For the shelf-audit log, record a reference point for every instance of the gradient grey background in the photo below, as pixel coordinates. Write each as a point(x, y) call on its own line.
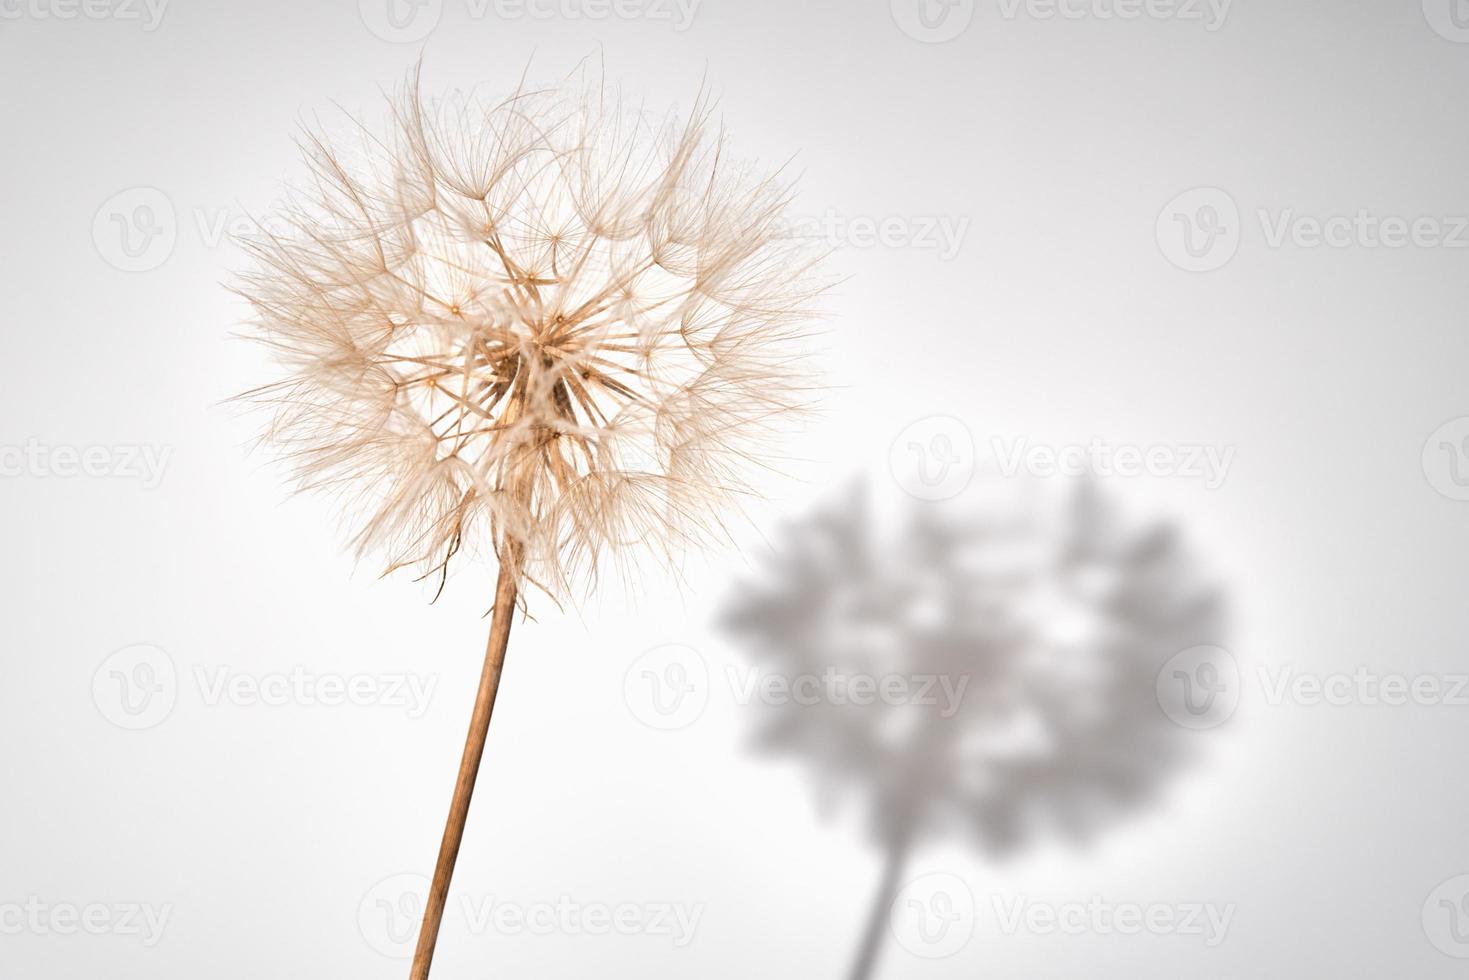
point(1060, 319)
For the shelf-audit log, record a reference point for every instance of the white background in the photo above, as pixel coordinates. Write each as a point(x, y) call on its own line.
point(1064, 316)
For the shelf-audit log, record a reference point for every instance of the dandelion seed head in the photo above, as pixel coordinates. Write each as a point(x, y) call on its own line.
point(545, 328)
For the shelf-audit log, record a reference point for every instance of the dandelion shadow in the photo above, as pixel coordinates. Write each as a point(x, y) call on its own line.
point(1015, 652)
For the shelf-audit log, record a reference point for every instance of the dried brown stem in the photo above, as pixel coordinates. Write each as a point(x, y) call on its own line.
point(474, 750)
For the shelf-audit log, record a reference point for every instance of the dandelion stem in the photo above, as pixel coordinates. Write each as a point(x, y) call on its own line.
point(474, 749)
point(895, 860)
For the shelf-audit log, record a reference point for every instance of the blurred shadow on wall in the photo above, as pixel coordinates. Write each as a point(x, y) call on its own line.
point(1014, 652)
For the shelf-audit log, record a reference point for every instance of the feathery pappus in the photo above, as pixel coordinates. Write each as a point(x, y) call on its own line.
point(545, 327)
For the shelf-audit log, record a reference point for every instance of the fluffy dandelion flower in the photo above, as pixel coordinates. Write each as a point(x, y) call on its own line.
point(544, 327)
